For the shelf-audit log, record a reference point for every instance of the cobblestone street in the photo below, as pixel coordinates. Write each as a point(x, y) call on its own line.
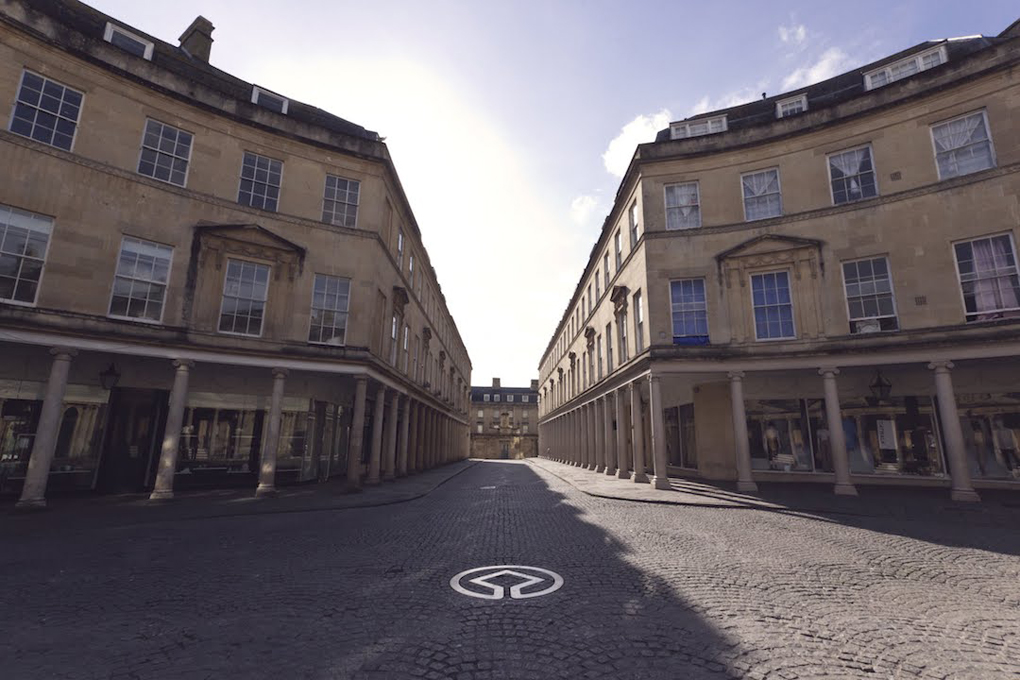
point(650, 591)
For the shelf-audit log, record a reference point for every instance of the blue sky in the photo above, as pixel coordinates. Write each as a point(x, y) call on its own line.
point(510, 124)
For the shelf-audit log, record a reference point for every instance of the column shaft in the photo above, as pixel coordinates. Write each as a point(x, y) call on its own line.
point(357, 446)
point(959, 471)
point(837, 438)
point(741, 445)
point(622, 462)
point(405, 429)
point(33, 493)
point(637, 427)
point(267, 470)
point(390, 459)
point(660, 479)
point(607, 425)
point(375, 461)
point(164, 488)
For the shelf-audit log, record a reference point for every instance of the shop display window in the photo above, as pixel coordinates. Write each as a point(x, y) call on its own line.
point(991, 434)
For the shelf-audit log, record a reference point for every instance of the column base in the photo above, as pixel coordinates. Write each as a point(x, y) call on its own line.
point(845, 490)
point(599, 469)
point(389, 478)
point(265, 491)
point(660, 483)
point(623, 474)
point(161, 495)
point(31, 504)
point(747, 487)
point(965, 496)
point(639, 478)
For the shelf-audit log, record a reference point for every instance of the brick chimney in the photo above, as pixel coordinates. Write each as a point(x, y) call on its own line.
point(534, 385)
point(495, 382)
point(197, 39)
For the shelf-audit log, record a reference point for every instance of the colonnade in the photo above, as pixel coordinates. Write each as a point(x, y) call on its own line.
point(409, 437)
point(592, 434)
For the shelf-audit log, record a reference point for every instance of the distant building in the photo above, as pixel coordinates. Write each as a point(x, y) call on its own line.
point(203, 282)
point(505, 421)
point(820, 285)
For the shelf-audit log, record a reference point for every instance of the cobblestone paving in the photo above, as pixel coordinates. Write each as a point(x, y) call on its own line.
point(651, 591)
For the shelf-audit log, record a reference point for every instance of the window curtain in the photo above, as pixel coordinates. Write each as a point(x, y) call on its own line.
point(682, 207)
point(761, 195)
point(996, 287)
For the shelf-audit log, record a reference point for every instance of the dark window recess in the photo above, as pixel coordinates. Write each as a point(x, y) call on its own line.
point(128, 44)
point(268, 101)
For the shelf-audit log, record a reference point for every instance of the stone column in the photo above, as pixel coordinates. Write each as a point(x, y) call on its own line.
point(267, 471)
point(660, 479)
point(637, 427)
point(419, 442)
point(405, 429)
point(33, 493)
point(622, 462)
point(575, 435)
point(589, 453)
point(164, 488)
point(607, 425)
point(959, 470)
point(599, 433)
point(356, 448)
point(837, 438)
point(743, 449)
point(375, 461)
point(390, 458)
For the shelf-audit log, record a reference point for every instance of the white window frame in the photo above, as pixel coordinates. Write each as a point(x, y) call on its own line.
point(665, 201)
point(112, 28)
point(495, 398)
point(325, 187)
point(793, 304)
point(400, 244)
point(187, 161)
point(223, 298)
point(17, 100)
point(639, 322)
point(874, 171)
point(256, 91)
point(779, 192)
point(673, 303)
point(605, 267)
point(683, 130)
point(509, 398)
point(166, 286)
point(935, 149)
point(524, 399)
point(241, 178)
point(800, 98)
point(892, 294)
point(618, 249)
point(485, 397)
point(346, 312)
point(959, 277)
point(917, 57)
point(50, 223)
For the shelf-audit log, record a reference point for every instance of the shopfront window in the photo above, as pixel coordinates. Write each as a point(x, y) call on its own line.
point(778, 435)
point(991, 434)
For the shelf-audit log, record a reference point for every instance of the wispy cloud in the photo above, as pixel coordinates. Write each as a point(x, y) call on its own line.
point(794, 34)
point(582, 209)
point(638, 131)
point(832, 62)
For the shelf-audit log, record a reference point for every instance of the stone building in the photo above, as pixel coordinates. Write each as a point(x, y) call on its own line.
point(505, 421)
point(820, 286)
point(203, 282)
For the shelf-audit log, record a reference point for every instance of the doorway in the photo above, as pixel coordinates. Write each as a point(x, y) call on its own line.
point(130, 445)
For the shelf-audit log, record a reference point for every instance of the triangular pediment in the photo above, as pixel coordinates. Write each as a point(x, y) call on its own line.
point(249, 234)
point(768, 243)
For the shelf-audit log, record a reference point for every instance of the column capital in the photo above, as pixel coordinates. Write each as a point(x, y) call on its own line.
point(361, 379)
point(280, 373)
point(67, 352)
point(736, 375)
point(828, 370)
point(183, 364)
point(942, 366)
point(653, 378)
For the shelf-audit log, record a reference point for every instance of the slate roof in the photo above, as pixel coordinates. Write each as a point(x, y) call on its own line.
point(84, 26)
point(835, 90)
point(477, 393)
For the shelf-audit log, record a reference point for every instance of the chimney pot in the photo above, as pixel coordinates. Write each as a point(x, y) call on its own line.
point(197, 39)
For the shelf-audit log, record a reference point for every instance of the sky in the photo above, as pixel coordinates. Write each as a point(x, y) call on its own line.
point(511, 124)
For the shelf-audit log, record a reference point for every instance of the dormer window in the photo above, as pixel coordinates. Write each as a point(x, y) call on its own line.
point(128, 41)
point(791, 106)
point(697, 128)
point(268, 100)
point(904, 68)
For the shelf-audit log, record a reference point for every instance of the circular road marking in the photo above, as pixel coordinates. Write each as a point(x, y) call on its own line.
point(527, 577)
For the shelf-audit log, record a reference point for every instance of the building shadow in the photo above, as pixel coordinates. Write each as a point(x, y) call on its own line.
point(924, 514)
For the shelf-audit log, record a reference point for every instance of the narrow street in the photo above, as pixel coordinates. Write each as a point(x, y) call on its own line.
point(649, 591)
